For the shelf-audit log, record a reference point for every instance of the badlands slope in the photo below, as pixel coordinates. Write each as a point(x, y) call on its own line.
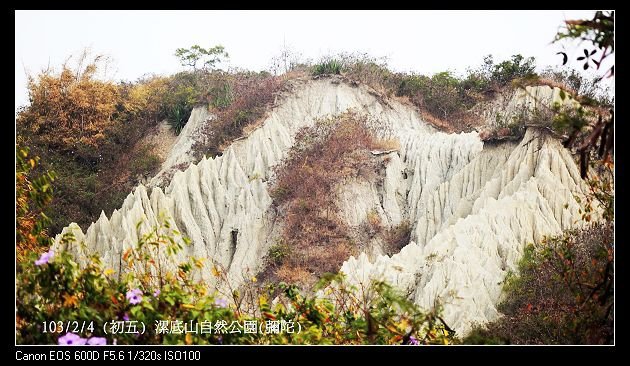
point(472, 206)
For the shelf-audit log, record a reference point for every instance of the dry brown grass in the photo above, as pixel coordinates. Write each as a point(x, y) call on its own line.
point(294, 274)
point(303, 192)
point(387, 144)
point(297, 73)
point(437, 122)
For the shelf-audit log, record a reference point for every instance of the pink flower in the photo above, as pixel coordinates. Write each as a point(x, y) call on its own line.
point(134, 296)
point(157, 293)
point(45, 258)
point(97, 341)
point(71, 339)
point(222, 303)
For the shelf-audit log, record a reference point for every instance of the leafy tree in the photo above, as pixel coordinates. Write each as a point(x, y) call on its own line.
point(195, 54)
point(85, 129)
point(442, 94)
point(508, 70)
point(71, 110)
point(438, 94)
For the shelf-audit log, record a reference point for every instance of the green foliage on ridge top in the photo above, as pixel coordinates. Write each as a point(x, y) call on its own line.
point(209, 56)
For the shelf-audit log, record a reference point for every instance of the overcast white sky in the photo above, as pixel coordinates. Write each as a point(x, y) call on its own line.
point(141, 42)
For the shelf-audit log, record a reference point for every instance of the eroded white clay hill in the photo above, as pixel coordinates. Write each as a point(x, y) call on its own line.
point(472, 207)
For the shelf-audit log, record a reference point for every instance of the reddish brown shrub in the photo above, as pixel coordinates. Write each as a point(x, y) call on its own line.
point(304, 193)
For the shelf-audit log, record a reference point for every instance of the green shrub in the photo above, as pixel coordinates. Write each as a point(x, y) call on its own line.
point(279, 194)
point(567, 121)
point(328, 67)
point(412, 85)
point(279, 251)
point(183, 93)
point(508, 70)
